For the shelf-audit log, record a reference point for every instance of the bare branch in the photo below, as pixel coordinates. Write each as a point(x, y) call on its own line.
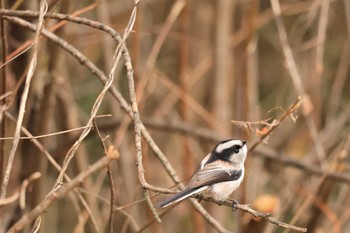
point(257, 214)
point(110, 177)
point(294, 107)
point(61, 193)
point(30, 74)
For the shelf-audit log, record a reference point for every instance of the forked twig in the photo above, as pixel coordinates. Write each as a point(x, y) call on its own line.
point(294, 107)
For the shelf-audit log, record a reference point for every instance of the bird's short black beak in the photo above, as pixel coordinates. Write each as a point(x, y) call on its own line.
point(244, 142)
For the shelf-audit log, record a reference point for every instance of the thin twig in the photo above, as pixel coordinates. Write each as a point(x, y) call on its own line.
point(3, 85)
point(257, 214)
point(71, 153)
point(137, 121)
point(61, 193)
point(246, 208)
point(49, 134)
point(110, 179)
point(9, 199)
point(30, 74)
point(28, 44)
point(25, 183)
point(58, 168)
point(103, 145)
point(294, 107)
point(268, 217)
point(53, 134)
point(111, 184)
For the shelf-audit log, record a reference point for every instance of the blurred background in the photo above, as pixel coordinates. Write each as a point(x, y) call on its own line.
point(204, 71)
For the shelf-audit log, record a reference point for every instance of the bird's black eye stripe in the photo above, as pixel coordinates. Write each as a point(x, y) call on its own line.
point(227, 153)
point(236, 149)
point(223, 155)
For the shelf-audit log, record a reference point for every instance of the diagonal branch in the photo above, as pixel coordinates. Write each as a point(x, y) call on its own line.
point(61, 193)
point(30, 74)
point(256, 214)
point(294, 107)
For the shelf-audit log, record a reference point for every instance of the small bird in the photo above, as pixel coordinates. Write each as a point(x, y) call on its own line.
point(219, 174)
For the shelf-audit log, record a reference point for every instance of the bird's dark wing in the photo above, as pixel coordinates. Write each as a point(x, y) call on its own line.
point(214, 173)
point(180, 196)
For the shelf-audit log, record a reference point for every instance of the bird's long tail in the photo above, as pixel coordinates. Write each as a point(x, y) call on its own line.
point(180, 196)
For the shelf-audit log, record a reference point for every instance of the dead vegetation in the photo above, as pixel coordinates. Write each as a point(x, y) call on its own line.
point(107, 106)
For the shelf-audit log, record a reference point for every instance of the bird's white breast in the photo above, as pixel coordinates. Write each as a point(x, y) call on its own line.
point(221, 191)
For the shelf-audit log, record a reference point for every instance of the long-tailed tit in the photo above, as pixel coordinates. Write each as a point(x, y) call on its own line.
point(218, 175)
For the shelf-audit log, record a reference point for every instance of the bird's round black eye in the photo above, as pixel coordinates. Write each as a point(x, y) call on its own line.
point(236, 150)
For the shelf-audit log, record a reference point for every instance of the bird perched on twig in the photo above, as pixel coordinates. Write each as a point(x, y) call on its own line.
point(218, 175)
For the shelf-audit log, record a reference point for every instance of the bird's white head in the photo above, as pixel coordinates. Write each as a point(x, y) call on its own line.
point(231, 150)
